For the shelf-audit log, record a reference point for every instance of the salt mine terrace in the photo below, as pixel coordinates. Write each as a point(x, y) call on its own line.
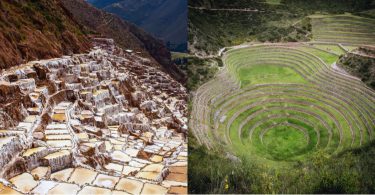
point(105, 122)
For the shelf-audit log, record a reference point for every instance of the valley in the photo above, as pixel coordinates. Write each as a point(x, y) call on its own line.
point(165, 19)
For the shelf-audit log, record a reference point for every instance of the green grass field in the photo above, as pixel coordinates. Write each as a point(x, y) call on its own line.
point(283, 141)
point(264, 73)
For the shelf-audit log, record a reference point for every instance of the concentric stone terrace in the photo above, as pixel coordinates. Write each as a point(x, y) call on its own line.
point(346, 29)
point(283, 102)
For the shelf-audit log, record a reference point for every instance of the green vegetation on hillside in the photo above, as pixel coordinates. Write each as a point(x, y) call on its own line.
point(216, 29)
point(273, 2)
point(285, 22)
point(352, 171)
point(199, 70)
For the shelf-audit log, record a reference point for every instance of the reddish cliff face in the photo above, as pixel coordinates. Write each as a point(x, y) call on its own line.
point(125, 34)
point(32, 30)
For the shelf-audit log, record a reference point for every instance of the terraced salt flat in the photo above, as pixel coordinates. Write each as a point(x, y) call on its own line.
point(346, 29)
point(106, 135)
point(283, 102)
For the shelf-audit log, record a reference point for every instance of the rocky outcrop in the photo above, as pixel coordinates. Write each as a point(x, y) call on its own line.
point(16, 167)
point(9, 92)
point(12, 104)
point(360, 63)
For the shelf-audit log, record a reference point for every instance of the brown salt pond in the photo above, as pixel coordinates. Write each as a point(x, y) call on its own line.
point(130, 186)
point(64, 188)
point(154, 189)
point(152, 176)
point(62, 175)
point(182, 170)
point(156, 158)
point(24, 182)
point(89, 190)
point(9, 191)
point(59, 117)
point(41, 172)
point(82, 176)
point(153, 168)
point(178, 190)
point(177, 177)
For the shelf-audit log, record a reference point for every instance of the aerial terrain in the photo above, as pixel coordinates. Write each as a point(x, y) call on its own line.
point(166, 19)
point(291, 106)
point(89, 104)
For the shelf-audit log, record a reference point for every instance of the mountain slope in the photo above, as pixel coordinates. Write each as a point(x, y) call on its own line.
point(166, 19)
point(213, 25)
point(126, 35)
point(37, 29)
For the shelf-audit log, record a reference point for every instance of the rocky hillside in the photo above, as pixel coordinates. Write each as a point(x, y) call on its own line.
point(166, 19)
point(361, 63)
point(37, 29)
point(31, 30)
point(126, 35)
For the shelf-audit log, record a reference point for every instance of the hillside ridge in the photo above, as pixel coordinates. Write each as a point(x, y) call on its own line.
point(31, 30)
